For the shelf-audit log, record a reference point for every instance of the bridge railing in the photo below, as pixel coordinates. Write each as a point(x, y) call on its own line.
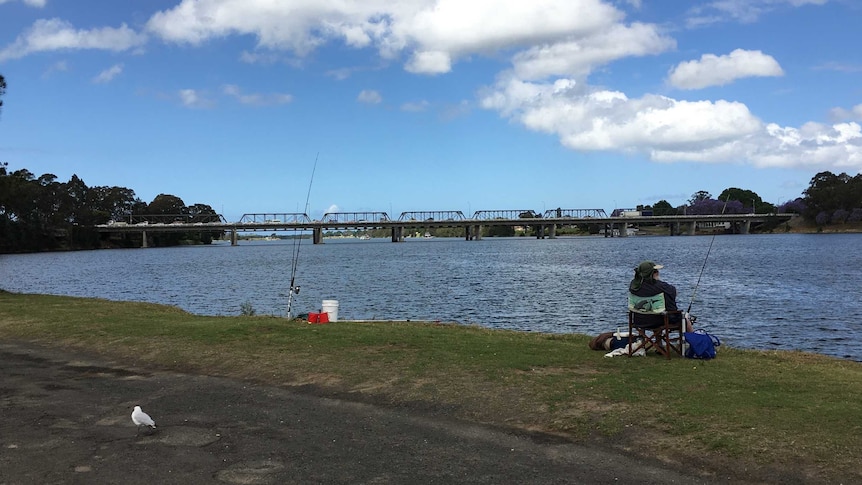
point(351, 217)
point(141, 219)
point(574, 213)
point(513, 214)
point(431, 216)
point(274, 218)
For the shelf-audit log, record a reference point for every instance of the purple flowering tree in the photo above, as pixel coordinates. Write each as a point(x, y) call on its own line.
point(715, 207)
point(840, 216)
point(796, 206)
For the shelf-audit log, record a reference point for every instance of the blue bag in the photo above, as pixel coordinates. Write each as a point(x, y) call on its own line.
point(701, 345)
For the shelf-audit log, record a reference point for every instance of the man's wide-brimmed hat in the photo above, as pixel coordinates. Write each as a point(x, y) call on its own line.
point(646, 269)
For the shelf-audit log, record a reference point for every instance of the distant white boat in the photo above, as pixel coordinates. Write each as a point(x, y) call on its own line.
point(428, 236)
point(365, 237)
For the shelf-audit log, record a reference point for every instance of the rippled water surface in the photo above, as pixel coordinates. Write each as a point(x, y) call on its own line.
point(757, 291)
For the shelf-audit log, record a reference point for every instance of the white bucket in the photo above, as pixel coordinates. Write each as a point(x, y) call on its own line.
point(330, 307)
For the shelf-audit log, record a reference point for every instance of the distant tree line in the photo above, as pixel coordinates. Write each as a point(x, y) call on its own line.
point(829, 199)
point(42, 214)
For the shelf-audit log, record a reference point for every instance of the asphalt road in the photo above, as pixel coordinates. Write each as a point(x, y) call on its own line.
point(65, 418)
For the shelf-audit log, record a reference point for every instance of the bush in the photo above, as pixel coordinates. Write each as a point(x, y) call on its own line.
point(246, 310)
point(840, 216)
point(822, 218)
point(855, 216)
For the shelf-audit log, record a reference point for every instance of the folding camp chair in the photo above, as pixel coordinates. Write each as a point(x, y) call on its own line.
point(658, 332)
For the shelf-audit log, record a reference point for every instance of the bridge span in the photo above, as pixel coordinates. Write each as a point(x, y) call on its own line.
point(543, 225)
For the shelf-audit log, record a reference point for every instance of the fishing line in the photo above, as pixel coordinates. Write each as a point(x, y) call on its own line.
point(694, 292)
point(294, 289)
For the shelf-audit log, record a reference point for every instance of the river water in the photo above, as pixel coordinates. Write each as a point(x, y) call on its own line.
point(787, 291)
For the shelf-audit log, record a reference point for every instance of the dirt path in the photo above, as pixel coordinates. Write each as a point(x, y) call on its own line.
point(65, 419)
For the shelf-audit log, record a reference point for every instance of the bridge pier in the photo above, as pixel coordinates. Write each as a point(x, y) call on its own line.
point(744, 227)
point(692, 228)
point(552, 231)
point(144, 243)
point(317, 235)
point(397, 234)
point(540, 231)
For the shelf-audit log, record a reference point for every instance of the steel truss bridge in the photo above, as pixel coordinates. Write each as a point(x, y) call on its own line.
point(544, 225)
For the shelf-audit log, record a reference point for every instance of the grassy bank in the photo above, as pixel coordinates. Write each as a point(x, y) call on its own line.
point(786, 414)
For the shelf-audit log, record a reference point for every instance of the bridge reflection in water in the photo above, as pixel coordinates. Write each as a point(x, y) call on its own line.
point(543, 225)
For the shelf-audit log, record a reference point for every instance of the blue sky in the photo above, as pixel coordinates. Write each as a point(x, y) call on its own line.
point(432, 105)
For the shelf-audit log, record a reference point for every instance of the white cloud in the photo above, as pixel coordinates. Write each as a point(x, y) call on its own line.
point(415, 107)
point(59, 66)
point(432, 33)
point(369, 96)
point(841, 114)
point(55, 34)
point(712, 70)
point(839, 66)
point(578, 57)
point(298, 26)
point(32, 3)
point(191, 98)
point(430, 62)
point(256, 99)
point(668, 130)
point(457, 27)
point(554, 46)
point(745, 11)
point(108, 74)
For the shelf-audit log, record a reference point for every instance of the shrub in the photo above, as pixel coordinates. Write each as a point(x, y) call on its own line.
point(246, 310)
point(840, 216)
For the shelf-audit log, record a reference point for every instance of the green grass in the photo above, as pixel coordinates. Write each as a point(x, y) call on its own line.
point(773, 410)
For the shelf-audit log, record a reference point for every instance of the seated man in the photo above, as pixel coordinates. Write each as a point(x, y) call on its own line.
point(647, 282)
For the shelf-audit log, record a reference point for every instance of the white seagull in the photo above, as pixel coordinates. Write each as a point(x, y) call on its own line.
point(140, 418)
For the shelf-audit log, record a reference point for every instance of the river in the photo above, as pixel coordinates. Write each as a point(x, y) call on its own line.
point(778, 291)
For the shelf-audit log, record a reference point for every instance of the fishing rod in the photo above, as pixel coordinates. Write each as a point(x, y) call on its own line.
point(694, 292)
point(294, 288)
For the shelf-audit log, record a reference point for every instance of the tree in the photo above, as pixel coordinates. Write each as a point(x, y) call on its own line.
point(167, 204)
point(828, 192)
point(201, 213)
point(840, 216)
point(38, 214)
point(76, 194)
point(113, 203)
point(746, 197)
point(2, 89)
point(663, 208)
point(699, 196)
point(712, 207)
point(795, 206)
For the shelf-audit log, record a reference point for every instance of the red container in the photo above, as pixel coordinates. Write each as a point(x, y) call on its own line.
point(318, 317)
